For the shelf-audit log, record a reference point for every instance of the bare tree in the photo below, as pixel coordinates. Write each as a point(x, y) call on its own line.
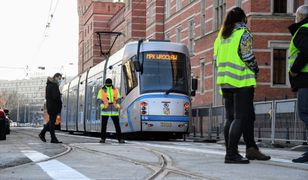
point(12, 101)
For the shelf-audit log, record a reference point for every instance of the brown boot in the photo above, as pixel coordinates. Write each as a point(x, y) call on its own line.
point(253, 153)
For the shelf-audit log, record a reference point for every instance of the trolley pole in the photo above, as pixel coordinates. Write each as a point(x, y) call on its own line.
point(106, 54)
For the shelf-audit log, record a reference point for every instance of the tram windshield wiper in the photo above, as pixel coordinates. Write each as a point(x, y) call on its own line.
point(169, 90)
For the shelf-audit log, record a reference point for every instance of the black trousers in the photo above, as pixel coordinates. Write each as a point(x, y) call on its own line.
point(2, 129)
point(240, 117)
point(51, 127)
point(116, 123)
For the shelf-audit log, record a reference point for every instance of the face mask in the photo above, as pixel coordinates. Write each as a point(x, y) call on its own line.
point(59, 81)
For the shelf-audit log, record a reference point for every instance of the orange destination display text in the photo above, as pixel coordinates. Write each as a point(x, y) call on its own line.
point(172, 57)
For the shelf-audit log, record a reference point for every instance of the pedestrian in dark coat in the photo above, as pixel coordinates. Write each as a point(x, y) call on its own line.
point(54, 106)
point(298, 67)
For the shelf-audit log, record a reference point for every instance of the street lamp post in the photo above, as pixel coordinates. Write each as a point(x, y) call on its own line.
point(25, 113)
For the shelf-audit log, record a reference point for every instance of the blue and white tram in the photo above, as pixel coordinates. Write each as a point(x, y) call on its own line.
point(155, 83)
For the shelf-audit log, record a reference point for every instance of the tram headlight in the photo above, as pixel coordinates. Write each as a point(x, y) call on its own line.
point(186, 108)
point(144, 108)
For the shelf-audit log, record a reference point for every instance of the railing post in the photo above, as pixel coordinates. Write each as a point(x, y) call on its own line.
point(194, 127)
point(210, 123)
point(194, 122)
point(259, 134)
point(217, 133)
point(288, 135)
point(273, 122)
point(295, 119)
point(223, 120)
point(201, 126)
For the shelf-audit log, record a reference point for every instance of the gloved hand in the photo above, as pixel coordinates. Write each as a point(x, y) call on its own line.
point(99, 101)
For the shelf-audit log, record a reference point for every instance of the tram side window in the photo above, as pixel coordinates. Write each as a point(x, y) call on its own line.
point(130, 78)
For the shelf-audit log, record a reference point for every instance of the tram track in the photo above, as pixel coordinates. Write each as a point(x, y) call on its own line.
point(161, 170)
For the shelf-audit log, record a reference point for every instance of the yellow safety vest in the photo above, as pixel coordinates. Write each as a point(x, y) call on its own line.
point(293, 51)
point(110, 98)
point(230, 67)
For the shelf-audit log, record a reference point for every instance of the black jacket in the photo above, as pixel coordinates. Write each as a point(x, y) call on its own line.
point(53, 97)
point(301, 43)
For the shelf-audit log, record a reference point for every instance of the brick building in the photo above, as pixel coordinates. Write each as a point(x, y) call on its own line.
point(195, 23)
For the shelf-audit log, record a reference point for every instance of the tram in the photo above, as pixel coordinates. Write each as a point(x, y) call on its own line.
point(155, 83)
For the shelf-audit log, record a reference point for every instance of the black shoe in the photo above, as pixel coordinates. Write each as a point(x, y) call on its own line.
point(102, 141)
point(55, 141)
point(42, 137)
point(121, 141)
point(236, 159)
point(302, 159)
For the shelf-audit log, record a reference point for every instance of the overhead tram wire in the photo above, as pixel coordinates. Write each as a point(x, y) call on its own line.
point(26, 68)
point(50, 16)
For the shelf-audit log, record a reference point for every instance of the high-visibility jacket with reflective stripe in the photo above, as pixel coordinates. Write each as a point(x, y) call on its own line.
point(294, 51)
point(110, 98)
point(230, 67)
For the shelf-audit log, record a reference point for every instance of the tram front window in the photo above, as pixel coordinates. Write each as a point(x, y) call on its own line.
point(164, 72)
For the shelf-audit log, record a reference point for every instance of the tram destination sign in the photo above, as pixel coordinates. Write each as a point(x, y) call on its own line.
point(161, 56)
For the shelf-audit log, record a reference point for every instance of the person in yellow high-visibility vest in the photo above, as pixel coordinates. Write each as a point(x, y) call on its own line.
point(109, 99)
point(236, 75)
point(298, 67)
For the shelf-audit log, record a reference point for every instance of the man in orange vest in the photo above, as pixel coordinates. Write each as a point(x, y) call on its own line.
point(109, 99)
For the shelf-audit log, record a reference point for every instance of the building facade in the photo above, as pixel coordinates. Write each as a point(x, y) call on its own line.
point(24, 98)
point(196, 24)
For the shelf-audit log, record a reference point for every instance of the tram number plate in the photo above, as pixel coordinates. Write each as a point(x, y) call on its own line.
point(166, 124)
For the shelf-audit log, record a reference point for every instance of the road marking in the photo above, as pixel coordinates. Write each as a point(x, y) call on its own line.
point(54, 168)
point(34, 155)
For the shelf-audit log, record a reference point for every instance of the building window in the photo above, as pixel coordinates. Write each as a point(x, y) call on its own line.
point(279, 66)
point(167, 36)
point(150, 13)
point(168, 5)
point(280, 6)
point(191, 37)
point(178, 34)
point(202, 74)
point(178, 5)
point(202, 24)
point(239, 3)
point(219, 12)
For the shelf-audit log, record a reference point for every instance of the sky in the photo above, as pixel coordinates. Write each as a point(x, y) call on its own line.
point(26, 44)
